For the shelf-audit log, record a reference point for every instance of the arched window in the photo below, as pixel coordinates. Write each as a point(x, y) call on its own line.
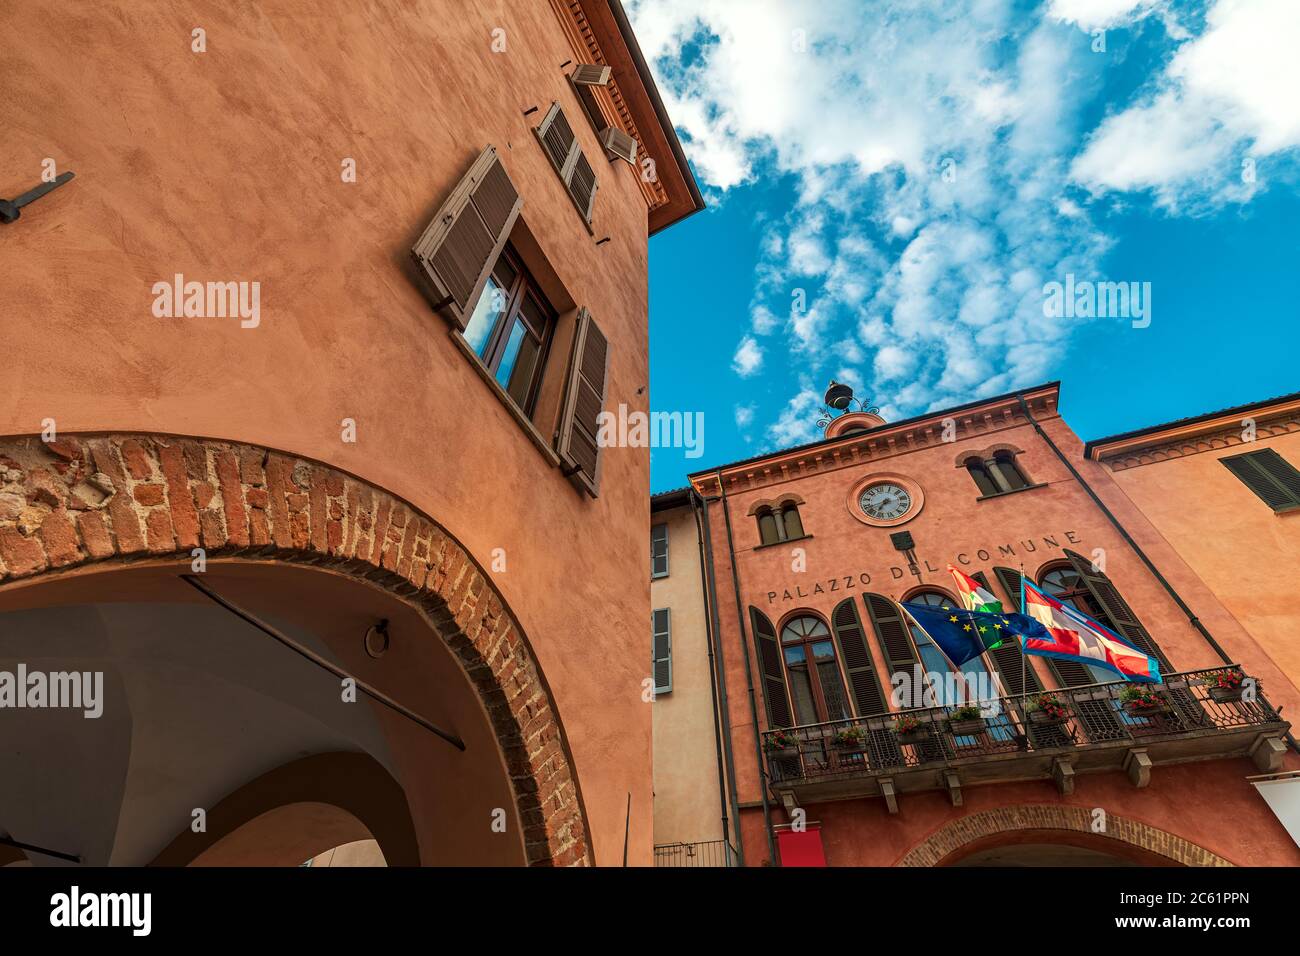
point(1064, 583)
point(1004, 466)
point(996, 474)
point(1080, 584)
point(816, 687)
point(781, 524)
point(936, 663)
point(980, 473)
point(790, 519)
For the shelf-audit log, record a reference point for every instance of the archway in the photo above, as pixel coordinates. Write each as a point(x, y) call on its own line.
point(1054, 826)
point(76, 512)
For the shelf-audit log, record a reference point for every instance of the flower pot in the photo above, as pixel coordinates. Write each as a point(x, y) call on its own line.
point(966, 728)
point(1044, 719)
point(917, 736)
point(1225, 694)
point(1140, 710)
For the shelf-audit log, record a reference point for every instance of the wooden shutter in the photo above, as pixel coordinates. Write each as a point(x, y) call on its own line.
point(662, 650)
point(1017, 674)
point(856, 654)
point(1121, 615)
point(584, 396)
point(773, 672)
point(561, 147)
point(891, 633)
point(558, 141)
point(457, 250)
point(589, 74)
point(659, 551)
point(619, 144)
point(1270, 476)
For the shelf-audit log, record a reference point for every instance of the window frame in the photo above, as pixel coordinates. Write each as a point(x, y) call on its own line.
point(523, 287)
point(667, 633)
point(806, 642)
point(1252, 458)
point(654, 574)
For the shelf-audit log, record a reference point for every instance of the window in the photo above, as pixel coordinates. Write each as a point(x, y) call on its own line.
point(561, 147)
point(996, 474)
point(1089, 591)
point(659, 551)
point(779, 524)
point(936, 664)
point(661, 650)
point(1273, 479)
point(510, 329)
point(477, 281)
point(816, 687)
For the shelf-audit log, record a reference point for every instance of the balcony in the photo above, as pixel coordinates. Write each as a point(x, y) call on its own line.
point(709, 853)
point(1091, 731)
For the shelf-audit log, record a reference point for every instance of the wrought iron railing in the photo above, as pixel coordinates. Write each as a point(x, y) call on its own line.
point(1088, 715)
point(707, 853)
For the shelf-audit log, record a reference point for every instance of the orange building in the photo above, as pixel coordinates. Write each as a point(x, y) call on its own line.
point(297, 440)
point(833, 760)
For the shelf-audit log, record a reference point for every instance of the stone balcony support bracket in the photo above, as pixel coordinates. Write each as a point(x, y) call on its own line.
point(887, 791)
point(953, 784)
point(1137, 764)
point(1267, 752)
point(1063, 774)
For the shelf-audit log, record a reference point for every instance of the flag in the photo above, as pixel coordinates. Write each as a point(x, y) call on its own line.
point(1050, 628)
point(974, 596)
point(962, 635)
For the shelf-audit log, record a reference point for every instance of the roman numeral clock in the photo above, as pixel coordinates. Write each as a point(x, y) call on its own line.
point(885, 500)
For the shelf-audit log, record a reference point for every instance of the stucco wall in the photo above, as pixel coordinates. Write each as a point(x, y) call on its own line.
point(687, 804)
point(225, 165)
point(1235, 542)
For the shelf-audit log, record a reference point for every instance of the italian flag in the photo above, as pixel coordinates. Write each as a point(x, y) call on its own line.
point(974, 597)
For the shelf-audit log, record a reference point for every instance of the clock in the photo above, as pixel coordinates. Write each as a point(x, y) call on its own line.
point(885, 501)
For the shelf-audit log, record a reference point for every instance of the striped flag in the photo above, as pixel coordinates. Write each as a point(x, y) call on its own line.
point(974, 596)
point(1058, 630)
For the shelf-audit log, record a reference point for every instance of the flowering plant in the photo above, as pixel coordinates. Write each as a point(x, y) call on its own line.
point(1228, 680)
point(780, 739)
point(850, 737)
point(908, 724)
point(1049, 705)
point(1143, 698)
point(967, 712)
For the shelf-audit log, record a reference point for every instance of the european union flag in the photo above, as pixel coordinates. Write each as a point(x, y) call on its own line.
point(963, 635)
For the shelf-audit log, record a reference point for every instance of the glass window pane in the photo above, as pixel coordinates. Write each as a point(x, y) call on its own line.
point(767, 528)
point(800, 686)
point(504, 272)
point(484, 318)
point(521, 380)
point(510, 353)
point(532, 314)
point(793, 526)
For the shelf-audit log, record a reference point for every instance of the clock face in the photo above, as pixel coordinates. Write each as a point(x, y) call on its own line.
point(885, 501)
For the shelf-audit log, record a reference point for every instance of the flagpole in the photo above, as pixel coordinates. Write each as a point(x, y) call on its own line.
point(1023, 656)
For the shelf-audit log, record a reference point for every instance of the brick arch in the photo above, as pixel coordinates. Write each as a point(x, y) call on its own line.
point(84, 500)
point(1127, 833)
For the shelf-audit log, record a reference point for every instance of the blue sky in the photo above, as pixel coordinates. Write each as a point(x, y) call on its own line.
point(892, 184)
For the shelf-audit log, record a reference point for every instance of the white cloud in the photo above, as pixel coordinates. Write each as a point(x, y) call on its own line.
point(797, 422)
point(937, 152)
point(744, 416)
point(748, 358)
point(1101, 14)
point(1225, 97)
